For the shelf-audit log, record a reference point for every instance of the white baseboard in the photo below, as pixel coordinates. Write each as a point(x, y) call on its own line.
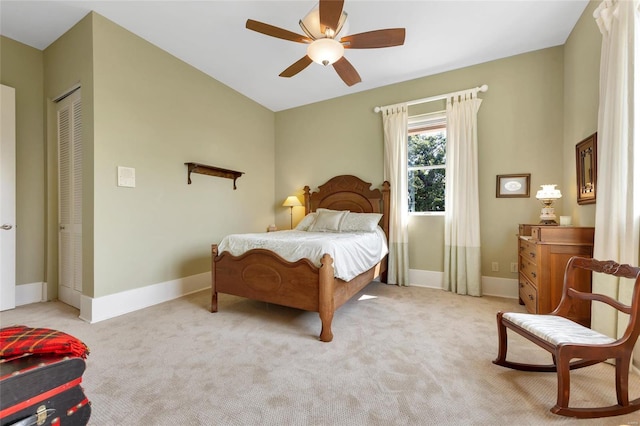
point(30, 293)
point(422, 278)
point(95, 309)
point(501, 287)
point(491, 286)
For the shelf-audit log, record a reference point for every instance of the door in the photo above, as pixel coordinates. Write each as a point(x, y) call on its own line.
point(7, 198)
point(69, 118)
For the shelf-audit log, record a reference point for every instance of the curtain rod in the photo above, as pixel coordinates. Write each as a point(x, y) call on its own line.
point(482, 88)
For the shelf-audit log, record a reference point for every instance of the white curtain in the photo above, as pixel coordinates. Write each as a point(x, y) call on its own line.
point(462, 211)
point(617, 222)
point(394, 120)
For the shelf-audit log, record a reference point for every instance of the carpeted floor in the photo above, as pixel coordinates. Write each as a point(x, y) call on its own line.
point(400, 356)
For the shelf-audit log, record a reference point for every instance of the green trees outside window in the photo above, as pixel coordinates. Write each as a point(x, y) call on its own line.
point(426, 170)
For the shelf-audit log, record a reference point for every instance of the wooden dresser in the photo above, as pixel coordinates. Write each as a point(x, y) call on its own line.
point(544, 251)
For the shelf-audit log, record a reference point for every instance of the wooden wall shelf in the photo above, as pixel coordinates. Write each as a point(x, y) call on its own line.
point(212, 171)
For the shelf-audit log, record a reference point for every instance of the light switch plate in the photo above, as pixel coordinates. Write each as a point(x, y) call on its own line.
point(127, 177)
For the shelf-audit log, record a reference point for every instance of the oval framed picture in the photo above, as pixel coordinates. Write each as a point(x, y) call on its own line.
point(513, 186)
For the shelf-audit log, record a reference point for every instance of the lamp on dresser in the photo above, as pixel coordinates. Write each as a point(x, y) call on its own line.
point(547, 195)
point(291, 202)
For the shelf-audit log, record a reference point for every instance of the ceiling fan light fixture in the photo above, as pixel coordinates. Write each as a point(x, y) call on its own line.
point(325, 51)
point(310, 24)
point(325, 26)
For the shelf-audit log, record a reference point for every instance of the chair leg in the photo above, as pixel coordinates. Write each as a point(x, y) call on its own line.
point(562, 362)
point(502, 342)
point(622, 380)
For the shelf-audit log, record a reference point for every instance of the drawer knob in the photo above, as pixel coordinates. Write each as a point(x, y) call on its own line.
point(532, 255)
point(533, 274)
point(530, 297)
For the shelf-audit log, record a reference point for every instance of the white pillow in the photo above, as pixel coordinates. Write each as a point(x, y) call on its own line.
point(306, 222)
point(361, 222)
point(328, 221)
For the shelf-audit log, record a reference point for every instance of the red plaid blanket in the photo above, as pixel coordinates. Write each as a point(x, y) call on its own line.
point(18, 340)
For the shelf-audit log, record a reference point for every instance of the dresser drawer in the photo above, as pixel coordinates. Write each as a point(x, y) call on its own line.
point(528, 295)
point(563, 234)
point(529, 269)
point(528, 250)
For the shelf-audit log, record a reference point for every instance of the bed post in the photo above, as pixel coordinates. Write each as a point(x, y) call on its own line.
point(326, 305)
point(386, 203)
point(214, 293)
point(307, 200)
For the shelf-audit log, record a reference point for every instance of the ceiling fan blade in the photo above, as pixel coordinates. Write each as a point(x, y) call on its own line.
point(296, 67)
point(373, 39)
point(330, 12)
point(272, 31)
point(346, 71)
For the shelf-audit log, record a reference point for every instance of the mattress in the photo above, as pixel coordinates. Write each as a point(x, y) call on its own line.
point(352, 253)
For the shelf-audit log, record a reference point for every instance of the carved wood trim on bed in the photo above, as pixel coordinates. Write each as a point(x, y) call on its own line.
point(347, 192)
point(260, 274)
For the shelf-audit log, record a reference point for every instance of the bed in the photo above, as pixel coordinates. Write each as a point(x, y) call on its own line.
point(261, 274)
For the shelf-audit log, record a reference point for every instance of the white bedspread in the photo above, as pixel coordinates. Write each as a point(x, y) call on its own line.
point(352, 253)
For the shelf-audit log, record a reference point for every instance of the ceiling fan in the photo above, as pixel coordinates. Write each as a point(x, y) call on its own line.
point(322, 27)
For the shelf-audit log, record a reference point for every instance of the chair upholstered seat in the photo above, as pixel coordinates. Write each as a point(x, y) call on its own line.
point(557, 330)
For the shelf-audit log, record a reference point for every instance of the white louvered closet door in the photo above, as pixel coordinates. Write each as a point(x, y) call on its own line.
point(70, 199)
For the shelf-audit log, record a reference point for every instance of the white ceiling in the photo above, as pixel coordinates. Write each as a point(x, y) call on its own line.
point(211, 35)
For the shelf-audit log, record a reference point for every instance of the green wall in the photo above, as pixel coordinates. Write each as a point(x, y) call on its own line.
point(21, 67)
point(581, 94)
point(145, 109)
point(153, 112)
point(520, 130)
point(539, 105)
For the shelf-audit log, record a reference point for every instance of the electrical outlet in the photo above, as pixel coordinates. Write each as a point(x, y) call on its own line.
point(514, 267)
point(495, 267)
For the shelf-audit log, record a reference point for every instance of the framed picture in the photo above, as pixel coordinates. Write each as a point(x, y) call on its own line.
point(586, 165)
point(513, 186)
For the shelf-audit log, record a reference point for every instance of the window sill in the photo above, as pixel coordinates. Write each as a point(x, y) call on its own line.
point(426, 213)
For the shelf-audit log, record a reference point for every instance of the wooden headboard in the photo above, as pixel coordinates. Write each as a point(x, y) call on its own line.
point(347, 192)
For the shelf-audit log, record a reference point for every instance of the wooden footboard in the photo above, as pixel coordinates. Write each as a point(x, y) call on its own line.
point(260, 274)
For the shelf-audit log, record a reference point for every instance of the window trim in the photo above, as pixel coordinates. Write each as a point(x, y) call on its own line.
point(420, 124)
point(439, 213)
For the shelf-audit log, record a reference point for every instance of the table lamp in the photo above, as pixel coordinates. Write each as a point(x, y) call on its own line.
point(547, 195)
point(291, 202)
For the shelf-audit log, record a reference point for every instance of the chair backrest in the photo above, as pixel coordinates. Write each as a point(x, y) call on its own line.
point(608, 267)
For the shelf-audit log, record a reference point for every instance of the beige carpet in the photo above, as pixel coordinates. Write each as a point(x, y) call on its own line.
point(406, 356)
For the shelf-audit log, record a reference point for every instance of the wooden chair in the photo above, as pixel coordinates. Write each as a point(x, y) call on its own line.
point(567, 340)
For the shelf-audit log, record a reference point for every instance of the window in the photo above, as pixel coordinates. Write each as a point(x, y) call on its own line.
point(426, 162)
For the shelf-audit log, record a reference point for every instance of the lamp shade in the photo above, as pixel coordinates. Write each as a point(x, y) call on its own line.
point(548, 192)
point(310, 24)
point(291, 201)
point(325, 51)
